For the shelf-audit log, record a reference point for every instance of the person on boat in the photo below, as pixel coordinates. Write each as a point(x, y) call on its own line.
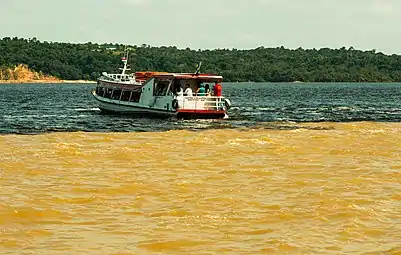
point(201, 90)
point(179, 92)
point(217, 89)
point(207, 90)
point(179, 97)
point(188, 91)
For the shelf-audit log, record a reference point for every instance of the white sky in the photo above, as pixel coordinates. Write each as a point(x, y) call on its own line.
point(209, 24)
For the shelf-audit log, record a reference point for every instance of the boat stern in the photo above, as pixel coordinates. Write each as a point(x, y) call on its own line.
point(201, 107)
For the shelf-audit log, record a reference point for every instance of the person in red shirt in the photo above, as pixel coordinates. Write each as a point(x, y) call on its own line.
point(217, 89)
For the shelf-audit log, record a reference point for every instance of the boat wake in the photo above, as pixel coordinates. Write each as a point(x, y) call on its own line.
point(95, 109)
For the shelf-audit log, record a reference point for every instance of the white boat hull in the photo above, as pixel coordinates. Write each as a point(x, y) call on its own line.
point(109, 105)
point(116, 106)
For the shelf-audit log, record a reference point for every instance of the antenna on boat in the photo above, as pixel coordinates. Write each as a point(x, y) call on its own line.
point(197, 71)
point(125, 61)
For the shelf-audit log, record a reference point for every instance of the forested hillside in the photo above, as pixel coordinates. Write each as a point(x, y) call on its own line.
point(86, 61)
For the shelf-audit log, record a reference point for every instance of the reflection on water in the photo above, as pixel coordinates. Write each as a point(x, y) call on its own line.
point(275, 187)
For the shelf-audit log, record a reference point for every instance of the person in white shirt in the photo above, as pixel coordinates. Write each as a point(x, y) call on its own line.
point(188, 91)
point(180, 92)
point(179, 97)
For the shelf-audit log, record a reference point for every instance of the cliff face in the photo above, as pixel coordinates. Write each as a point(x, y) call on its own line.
point(22, 73)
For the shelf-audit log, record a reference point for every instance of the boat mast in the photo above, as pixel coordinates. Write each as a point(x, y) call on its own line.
point(125, 61)
point(197, 71)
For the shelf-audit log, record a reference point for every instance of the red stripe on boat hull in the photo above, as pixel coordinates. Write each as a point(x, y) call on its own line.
point(201, 111)
point(200, 114)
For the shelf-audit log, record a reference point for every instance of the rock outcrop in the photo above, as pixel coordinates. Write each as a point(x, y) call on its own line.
point(22, 74)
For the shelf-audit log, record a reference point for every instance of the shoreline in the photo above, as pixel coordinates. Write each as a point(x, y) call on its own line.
point(45, 81)
point(94, 82)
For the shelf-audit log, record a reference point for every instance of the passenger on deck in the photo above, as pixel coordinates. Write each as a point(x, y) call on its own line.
point(188, 91)
point(201, 90)
point(180, 92)
point(207, 90)
point(217, 89)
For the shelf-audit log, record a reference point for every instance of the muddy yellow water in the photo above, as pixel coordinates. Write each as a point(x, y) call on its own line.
point(326, 188)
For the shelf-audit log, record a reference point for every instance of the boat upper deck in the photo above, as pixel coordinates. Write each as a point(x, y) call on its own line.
point(190, 76)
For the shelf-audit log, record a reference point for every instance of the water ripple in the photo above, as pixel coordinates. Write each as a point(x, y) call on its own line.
point(37, 108)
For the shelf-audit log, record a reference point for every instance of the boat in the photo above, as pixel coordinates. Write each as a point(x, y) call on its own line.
point(161, 94)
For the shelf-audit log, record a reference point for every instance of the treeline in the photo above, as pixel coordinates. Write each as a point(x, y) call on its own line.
point(87, 61)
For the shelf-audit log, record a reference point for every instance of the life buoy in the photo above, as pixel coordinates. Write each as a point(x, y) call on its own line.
point(227, 103)
point(174, 104)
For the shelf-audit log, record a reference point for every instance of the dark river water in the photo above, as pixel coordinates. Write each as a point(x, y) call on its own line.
point(36, 108)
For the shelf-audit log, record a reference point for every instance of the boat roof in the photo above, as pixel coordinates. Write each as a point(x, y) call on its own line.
point(189, 76)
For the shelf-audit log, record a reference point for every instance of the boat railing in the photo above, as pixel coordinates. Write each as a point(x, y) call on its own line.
point(213, 103)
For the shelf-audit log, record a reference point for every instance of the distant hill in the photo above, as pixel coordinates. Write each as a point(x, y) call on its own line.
point(87, 61)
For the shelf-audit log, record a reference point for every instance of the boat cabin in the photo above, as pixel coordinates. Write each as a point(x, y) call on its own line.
point(183, 88)
point(173, 83)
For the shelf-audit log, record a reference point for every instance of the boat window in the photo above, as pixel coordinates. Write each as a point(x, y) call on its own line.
point(125, 95)
point(160, 88)
point(107, 93)
point(100, 91)
point(116, 94)
point(176, 86)
point(125, 78)
point(135, 96)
